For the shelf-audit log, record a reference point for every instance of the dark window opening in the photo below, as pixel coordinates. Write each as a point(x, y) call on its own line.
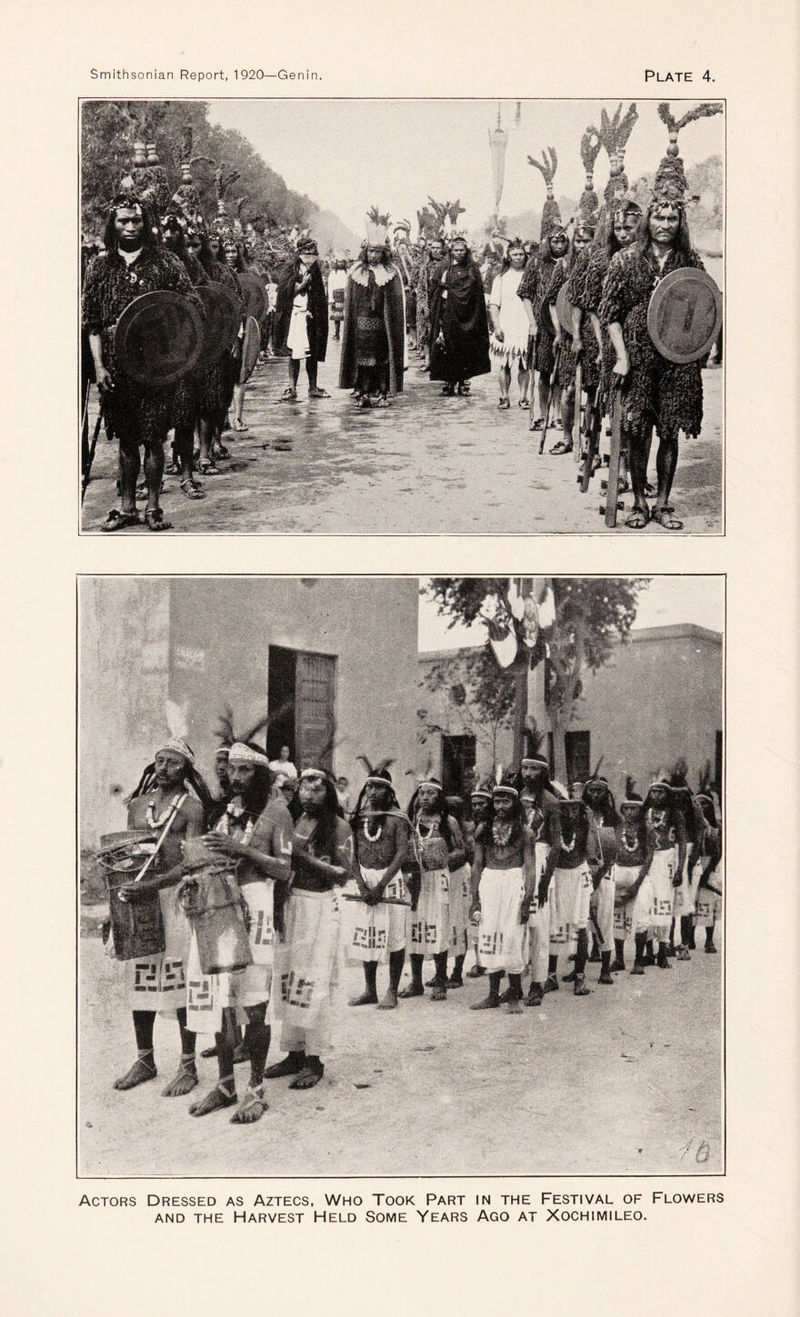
point(577, 751)
point(458, 764)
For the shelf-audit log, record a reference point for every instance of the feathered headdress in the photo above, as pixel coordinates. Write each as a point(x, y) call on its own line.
point(377, 227)
point(589, 204)
point(551, 215)
point(614, 134)
point(670, 181)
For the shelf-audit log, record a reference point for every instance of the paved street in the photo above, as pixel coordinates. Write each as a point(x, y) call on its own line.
point(427, 465)
point(627, 1080)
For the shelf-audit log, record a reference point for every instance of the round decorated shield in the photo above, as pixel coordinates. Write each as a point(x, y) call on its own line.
point(255, 294)
point(158, 338)
point(684, 315)
point(222, 319)
point(251, 346)
point(564, 309)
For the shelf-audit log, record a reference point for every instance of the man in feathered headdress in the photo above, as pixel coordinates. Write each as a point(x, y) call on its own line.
point(162, 806)
point(140, 416)
point(655, 391)
point(380, 832)
point(307, 959)
point(373, 334)
point(253, 832)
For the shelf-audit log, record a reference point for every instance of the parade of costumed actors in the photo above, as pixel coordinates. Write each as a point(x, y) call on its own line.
point(301, 318)
point(535, 285)
point(510, 325)
point(373, 333)
point(459, 324)
point(655, 392)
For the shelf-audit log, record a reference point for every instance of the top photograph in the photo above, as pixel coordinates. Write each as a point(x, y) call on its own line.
point(401, 317)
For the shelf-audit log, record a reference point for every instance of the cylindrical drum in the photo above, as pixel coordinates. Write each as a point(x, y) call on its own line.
point(213, 903)
point(137, 926)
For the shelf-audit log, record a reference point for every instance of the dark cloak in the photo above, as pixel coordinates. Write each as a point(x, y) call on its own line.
point(317, 309)
point(356, 303)
point(460, 315)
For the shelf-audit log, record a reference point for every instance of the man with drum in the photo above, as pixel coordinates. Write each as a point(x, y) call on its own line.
point(255, 833)
point(655, 391)
point(140, 415)
point(162, 808)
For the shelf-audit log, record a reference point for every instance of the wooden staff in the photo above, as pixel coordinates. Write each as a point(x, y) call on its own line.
point(87, 469)
point(553, 378)
point(593, 422)
point(576, 425)
point(612, 487)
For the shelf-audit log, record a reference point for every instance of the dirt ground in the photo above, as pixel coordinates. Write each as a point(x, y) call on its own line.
point(627, 1080)
point(428, 465)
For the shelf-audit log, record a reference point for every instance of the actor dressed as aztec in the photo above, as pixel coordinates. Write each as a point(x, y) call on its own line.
point(504, 889)
point(168, 806)
point(373, 335)
point(436, 851)
point(459, 323)
point(138, 415)
point(301, 319)
point(540, 808)
point(380, 838)
point(308, 953)
point(657, 393)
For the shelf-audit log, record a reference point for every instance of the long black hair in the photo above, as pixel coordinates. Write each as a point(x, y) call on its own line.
point(683, 243)
point(483, 832)
point(258, 794)
point(325, 833)
point(122, 201)
point(440, 808)
point(608, 813)
point(191, 777)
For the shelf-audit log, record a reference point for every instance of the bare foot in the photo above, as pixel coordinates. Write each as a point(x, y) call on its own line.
point(488, 1004)
point(185, 1080)
point(413, 990)
point(514, 1006)
point(251, 1108)
point(139, 1073)
point(366, 999)
point(389, 1002)
point(216, 1098)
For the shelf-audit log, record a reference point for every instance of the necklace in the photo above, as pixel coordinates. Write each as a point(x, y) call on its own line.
point(433, 828)
point(233, 816)
point(568, 846)
point(501, 833)
point(154, 821)
point(626, 843)
point(372, 836)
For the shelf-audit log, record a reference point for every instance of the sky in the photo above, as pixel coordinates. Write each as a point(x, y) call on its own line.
point(666, 601)
point(350, 154)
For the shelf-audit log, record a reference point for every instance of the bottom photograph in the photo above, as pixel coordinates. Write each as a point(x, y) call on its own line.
point(388, 876)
